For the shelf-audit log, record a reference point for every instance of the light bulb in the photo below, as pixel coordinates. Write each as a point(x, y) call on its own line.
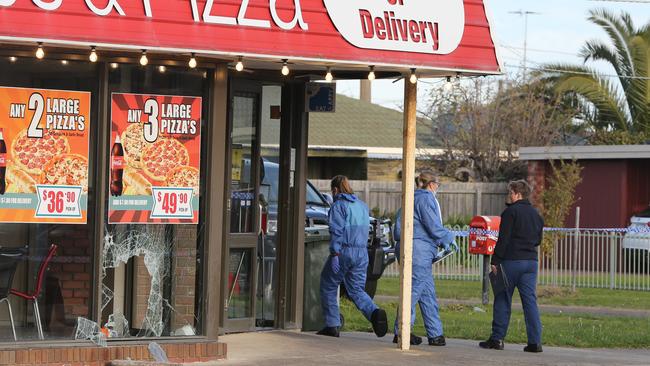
point(144, 60)
point(114, 65)
point(449, 86)
point(240, 65)
point(13, 59)
point(40, 53)
point(414, 78)
point(192, 63)
point(162, 69)
point(329, 77)
point(285, 68)
point(371, 74)
point(64, 62)
point(93, 55)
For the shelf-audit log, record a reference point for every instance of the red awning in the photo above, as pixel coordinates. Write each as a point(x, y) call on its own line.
point(443, 35)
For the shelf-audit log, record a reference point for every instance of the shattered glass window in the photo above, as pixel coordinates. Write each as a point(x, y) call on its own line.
point(149, 276)
point(149, 280)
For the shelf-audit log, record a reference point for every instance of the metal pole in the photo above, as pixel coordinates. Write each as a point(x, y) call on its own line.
point(576, 243)
point(408, 188)
point(612, 261)
point(486, 279)
point(525, 14)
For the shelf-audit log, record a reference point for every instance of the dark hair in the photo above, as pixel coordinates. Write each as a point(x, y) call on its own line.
point(520, 186)
point(426, 177)
point(341, 183)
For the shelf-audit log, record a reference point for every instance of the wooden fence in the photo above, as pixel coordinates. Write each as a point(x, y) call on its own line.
point(456, 199)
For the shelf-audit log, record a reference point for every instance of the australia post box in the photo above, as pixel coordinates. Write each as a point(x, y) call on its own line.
point(483, 234)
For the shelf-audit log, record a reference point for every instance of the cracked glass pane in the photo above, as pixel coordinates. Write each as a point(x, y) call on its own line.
point(149, 279)
point(88, 329)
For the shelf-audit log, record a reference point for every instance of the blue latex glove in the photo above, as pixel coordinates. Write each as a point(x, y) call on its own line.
point(454, 247)
point(336, 266)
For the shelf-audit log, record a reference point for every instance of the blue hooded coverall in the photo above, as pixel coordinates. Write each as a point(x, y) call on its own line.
point(349, 225)
point(428, 235)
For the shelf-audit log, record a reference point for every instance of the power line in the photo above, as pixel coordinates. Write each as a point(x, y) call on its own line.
point(625, 1)
point(584, 73)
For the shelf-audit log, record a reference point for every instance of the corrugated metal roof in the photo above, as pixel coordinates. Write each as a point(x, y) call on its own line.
point(585, 152)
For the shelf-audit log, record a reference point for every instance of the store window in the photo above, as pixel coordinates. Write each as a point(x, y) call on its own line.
point(27, 233)
point(152, 248)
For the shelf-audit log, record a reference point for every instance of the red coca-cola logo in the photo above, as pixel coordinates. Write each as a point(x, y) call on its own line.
point(3, 160)
point(118, 162)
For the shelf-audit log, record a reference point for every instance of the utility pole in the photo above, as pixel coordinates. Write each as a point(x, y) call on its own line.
point(525, 14)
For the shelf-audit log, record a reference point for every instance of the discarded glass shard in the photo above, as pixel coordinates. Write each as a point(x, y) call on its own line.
point(157, 353)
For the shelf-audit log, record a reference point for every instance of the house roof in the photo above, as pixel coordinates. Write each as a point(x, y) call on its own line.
point(357, 123)
point(585, 152)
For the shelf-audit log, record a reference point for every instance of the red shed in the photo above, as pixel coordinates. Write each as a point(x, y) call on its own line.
point(615, 180)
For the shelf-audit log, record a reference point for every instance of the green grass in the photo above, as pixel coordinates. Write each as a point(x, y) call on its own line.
point(471, 290)
point(583, 331)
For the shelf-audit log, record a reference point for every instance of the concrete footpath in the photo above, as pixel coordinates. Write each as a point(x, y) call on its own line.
point(294, 348)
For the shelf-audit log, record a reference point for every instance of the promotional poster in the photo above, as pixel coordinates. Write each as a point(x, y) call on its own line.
point(155, 159)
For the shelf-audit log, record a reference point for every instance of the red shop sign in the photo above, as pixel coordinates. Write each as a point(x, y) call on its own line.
point(442, 34)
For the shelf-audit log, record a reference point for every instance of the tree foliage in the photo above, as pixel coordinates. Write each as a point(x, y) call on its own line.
point(482, 124)
point(612, 106)
point(558, 197)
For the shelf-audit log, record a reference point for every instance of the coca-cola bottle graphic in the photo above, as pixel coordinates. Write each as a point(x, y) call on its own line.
point(117, 167)
point(3, 162)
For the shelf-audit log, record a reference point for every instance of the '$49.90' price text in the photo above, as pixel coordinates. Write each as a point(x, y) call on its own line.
point(173, 202)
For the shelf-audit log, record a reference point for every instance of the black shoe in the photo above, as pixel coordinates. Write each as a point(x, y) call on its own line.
point(415, 340)
point(379, 322)
point(492, 344)
point(329, 331)
point(534, 348)
point(437, 341)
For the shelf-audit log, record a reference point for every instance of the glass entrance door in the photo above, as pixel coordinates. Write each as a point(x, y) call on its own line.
point(252, 208)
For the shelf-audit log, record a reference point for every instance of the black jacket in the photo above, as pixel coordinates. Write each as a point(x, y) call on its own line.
point(520, 233)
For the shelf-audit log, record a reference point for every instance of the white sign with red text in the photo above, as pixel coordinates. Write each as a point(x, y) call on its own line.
point(58, 201)
point(172, 203)
point(422, 26)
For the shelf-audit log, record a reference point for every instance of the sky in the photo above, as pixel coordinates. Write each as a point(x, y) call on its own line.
point(556, 34)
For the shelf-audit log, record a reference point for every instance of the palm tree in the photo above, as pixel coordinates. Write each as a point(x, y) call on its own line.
point(611, 104)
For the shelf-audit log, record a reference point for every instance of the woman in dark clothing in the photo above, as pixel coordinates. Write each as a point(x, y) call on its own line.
point(515, 255)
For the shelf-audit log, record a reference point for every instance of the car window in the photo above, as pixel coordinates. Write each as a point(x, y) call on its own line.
point(313, 197)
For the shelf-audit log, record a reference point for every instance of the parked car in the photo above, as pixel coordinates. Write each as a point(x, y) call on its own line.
point(380, 244)
point(638, 234)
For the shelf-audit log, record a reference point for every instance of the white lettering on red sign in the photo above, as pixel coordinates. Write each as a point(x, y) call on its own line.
point(7, 2)
point(241, 19)
point(52, 5)
point(399, 25)
point(112, 4)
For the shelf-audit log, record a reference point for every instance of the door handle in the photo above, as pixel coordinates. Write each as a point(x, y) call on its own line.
point(259, 219)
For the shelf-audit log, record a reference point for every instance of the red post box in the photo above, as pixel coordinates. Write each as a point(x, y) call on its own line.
point(483, 234)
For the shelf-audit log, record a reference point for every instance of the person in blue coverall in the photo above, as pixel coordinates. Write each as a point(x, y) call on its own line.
point(429, 235)
point(348, 261)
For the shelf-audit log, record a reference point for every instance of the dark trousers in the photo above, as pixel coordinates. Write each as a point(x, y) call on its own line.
point(521, 274)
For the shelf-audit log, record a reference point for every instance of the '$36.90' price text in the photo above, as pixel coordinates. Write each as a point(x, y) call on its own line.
point(59, 201)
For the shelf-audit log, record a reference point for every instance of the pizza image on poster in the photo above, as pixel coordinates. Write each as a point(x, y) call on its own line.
point(155, 158)
point(44, 139)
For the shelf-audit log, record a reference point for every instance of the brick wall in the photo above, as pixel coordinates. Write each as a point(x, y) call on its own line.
point(196, 351)
point(537, 179)
point(184, 276)
point(70, 272)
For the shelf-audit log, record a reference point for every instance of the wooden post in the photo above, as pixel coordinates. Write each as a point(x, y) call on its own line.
point(408, 188)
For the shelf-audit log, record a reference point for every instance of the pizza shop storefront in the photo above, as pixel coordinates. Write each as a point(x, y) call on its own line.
point(153, 159)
